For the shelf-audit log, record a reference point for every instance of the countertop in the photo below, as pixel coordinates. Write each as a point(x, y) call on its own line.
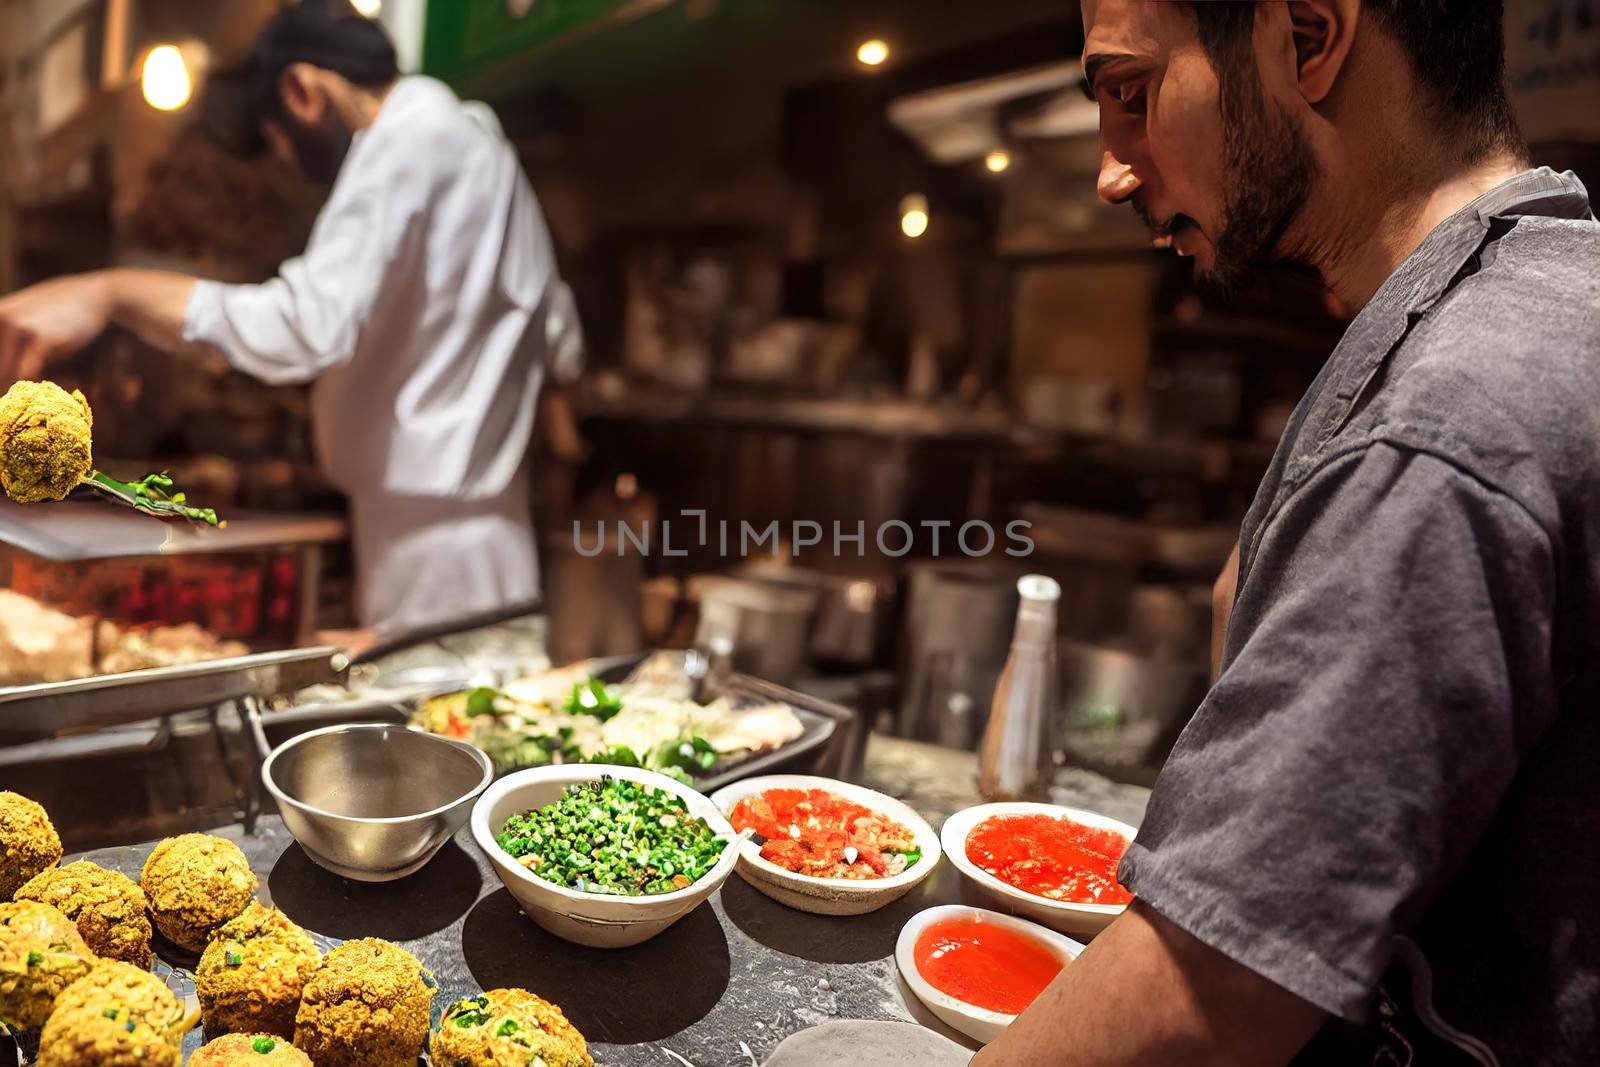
point(721, 988)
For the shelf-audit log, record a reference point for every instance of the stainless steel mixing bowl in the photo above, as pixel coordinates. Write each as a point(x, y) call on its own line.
point(374, 801)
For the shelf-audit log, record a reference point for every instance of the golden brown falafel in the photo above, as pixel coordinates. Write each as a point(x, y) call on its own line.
point(115, 1016)
point(249, 1050)
point(108, 906)
point(252, 973)
point(46, 441)
point(41, 953)
point(196, 882)
point(366, 1006)
point(507, 1028)
point(28, 842)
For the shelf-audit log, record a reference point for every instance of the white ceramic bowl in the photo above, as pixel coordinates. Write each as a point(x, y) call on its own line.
point(980, 1024)
point(592, 919)
point(1085, 920)
point(831, 896)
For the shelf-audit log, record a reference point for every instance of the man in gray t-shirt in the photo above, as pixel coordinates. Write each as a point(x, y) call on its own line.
point(1378, 841)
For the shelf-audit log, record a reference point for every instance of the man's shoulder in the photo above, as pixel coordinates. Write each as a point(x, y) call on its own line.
point(1502, 375)
point(425, 121)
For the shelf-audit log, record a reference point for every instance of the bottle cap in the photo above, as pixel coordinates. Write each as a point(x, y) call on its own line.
point(1038, 587)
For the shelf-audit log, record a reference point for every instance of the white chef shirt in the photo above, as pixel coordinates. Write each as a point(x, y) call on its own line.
point(427, 311)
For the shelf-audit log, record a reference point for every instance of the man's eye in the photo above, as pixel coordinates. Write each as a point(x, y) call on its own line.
point(1132, 98)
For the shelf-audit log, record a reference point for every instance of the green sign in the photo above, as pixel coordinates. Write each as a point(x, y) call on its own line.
point(464, 39)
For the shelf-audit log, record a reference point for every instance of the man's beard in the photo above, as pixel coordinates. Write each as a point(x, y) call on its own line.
point(1269, 174)
point(320, 151)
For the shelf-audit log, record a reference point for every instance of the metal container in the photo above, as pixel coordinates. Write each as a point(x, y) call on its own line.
point(374, 801)
point(767, 625)
point(957, 633)
point(1121, 712)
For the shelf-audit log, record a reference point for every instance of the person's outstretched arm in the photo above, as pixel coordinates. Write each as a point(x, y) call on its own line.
point(56, 318)
point(1146, 993)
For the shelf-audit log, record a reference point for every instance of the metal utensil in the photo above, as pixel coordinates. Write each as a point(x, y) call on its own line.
point(374, 801)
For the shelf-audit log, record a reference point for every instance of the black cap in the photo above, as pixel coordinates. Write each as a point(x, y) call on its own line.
point(325, 33)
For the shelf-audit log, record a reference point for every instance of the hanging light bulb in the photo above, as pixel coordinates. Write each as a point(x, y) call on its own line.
point(872, 52)
point(165, 79)
point(367, 8)
point(914, 215)
point(997, 161)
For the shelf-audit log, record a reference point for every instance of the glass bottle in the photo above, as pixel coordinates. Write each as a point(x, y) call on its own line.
point(1014, 759)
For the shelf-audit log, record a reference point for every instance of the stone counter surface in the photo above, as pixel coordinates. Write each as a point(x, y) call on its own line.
point(720, 988)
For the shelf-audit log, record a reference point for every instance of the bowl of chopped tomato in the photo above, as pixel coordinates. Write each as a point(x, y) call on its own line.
point(1055, 865)
point(825, 846)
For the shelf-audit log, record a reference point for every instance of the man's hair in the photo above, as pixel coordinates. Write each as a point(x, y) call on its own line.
point(1456, 48)
point(325, 33)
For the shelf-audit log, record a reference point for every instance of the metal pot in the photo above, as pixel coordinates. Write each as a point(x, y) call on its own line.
point(1121, 712)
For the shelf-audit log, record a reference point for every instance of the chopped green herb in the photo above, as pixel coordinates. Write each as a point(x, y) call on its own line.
point(616, 837)
point(110, 1013)
point(263, 1045)
point(506, 1028)
point(233, 958)
point(129, 1026)
point(35, 958)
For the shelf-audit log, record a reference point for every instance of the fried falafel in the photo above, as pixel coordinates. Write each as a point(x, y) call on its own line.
point(108, 906)
point(252, 973)
point(366, 1006)
point(41, 953)
point(115, 1016)
point(508, 1028)
point(249, 1050)
point(46, 441)
point(28, 842)
point(195, 883)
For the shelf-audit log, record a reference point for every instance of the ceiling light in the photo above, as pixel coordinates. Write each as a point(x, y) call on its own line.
point(997, 161)
point(872, 52)
point(914, 215)
point(369, 8)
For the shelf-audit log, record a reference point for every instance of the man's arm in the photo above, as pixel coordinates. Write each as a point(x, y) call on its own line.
point(1146, 993)
point(56, 318)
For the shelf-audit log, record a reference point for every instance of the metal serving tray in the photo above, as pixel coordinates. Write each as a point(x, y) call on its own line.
point(34, 712)
point(810, 751)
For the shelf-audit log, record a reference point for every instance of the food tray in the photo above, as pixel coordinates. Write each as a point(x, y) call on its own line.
point(820, 719)
point(35, 712)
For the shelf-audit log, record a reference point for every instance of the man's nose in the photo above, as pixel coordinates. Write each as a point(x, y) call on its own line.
point(1117, 181)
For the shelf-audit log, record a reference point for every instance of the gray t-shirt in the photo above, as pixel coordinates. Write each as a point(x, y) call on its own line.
point(1389, 804)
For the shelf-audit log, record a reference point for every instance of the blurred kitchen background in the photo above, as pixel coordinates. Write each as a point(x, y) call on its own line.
point(837, 260)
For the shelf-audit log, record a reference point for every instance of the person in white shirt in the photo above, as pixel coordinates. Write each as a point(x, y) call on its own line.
point(426, 309)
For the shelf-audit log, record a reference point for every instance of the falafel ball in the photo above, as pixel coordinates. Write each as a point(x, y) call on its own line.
point(28, 842)
point(108, 906)
point(252, 973)
point(249, 1050)
point(115, 1016)
point(508, 1028)
point(366, 1006)
point(46, 443)
point(41, 953)
point(196, 882)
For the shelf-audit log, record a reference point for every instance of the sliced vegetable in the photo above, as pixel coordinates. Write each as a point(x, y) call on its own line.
point(615, 837)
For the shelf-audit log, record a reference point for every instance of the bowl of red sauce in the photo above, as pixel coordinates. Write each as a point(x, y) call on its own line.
point(826, 846)
point(977, 970)
point(1055, 865)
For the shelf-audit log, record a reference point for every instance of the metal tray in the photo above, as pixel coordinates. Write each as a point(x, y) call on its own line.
point(35, 712)
point(820, 719)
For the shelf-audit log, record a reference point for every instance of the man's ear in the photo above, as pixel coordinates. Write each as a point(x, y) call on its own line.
point(302, 93)
point(1323, 33)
